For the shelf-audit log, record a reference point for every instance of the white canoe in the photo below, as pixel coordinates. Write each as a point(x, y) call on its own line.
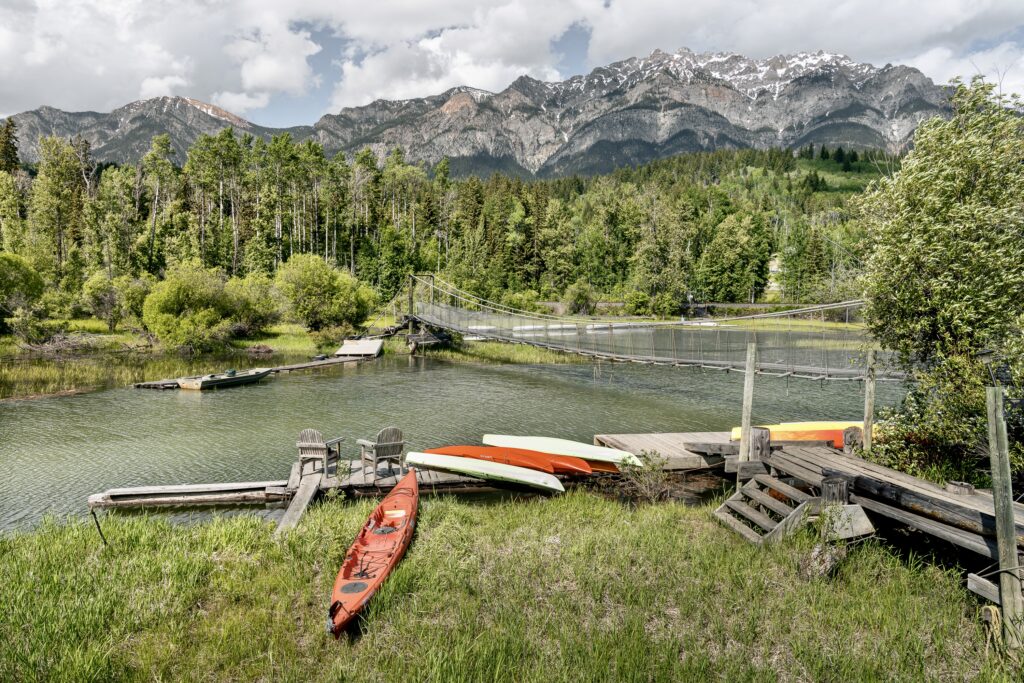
point(578, 449)
point(484, 469)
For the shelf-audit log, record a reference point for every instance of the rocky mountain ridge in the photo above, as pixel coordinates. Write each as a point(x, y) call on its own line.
point(628, 112)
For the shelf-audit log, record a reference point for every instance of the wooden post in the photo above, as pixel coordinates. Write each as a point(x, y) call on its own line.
point(748, 403)
point(835, 490)
point(869, 401)
point(853, 438)
point(760, 443)
point(1010, 597)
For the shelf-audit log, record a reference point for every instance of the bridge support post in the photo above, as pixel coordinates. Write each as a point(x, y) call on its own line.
point(748, 404)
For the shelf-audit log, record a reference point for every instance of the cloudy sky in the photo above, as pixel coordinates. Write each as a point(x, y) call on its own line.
point(282, 63)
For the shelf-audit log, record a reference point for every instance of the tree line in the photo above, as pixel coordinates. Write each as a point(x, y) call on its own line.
point(694, 227)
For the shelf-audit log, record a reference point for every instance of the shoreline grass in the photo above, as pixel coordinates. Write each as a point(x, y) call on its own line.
point(572, 588)
point(490, 352)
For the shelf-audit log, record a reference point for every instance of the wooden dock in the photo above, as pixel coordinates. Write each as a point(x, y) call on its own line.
point(172, 383)
point(191, 494)
point(681, 450)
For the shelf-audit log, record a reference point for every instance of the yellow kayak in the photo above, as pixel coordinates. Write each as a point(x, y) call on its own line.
point(807, 431)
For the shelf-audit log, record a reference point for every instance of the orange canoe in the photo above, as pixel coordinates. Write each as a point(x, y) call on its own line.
point(599, 466)
point(375, 552)
point(520, 457)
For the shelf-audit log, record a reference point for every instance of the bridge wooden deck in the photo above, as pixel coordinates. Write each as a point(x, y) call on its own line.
point(172, 383)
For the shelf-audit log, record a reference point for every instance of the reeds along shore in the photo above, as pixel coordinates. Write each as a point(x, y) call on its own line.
point(576, 588)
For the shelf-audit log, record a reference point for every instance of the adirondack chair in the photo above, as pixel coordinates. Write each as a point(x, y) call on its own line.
point(388, 446)
point(313, 447)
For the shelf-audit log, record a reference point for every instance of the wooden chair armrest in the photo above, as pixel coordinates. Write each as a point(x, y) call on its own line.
point(365, 443)
point(334, 442)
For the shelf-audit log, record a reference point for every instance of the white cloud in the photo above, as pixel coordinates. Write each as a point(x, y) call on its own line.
point(1002, 65)
point(240, 102)
point(250, 54)
point(153, 86)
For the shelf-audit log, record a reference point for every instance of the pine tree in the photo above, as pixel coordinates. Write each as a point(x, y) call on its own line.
point(823, 155)
point(9, 161)
point(840, 155)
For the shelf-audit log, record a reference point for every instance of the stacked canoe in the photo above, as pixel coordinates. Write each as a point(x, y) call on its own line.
point(532, 461)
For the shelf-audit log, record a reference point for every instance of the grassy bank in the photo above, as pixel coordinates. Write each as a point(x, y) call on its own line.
point(576, 588)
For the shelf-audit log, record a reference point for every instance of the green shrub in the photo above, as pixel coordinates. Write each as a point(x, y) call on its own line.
point(20, 285)
point(580, 298)
point(190, 310)
point(103, 299)
point(133, 292)
point(527, 300)
point(253, 304)
point(665, 305)
point(940, 430)
point(320, 296)
point(330, 338)
point(638, 303)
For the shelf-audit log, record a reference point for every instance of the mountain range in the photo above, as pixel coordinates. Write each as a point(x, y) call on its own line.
point(628, 112)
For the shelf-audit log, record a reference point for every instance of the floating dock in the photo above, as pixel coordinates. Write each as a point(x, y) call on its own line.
point(681, 450)
point(308, 365)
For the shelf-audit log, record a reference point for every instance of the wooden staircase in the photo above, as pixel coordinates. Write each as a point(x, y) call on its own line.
point(765, 509)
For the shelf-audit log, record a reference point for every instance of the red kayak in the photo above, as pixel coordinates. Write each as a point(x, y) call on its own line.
point(375, 552)
point(601, 466)
point(520, 457)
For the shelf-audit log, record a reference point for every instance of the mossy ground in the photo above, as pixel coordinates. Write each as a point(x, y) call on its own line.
point(573, 588)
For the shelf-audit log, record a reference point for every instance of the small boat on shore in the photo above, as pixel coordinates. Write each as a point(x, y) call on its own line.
point(807, 431)
point(520, 457)
point(576, 449)
point(484, 469)
point(375, 553)
point(229, 378)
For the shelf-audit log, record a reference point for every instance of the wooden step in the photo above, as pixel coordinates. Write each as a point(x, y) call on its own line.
point(758, 518)
point(783, 488)
point(765, 500)
point(738, 526)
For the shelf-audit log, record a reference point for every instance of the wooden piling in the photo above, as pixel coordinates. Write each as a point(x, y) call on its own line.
point(1010, 597)
point(869, 401)
point(748, 404)
point(412, 291)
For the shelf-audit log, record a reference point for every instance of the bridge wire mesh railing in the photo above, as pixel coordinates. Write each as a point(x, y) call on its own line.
point(825, 342)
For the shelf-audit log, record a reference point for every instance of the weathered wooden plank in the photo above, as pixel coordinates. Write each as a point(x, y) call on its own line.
point(799, 516)
point(758, 518)
point(747, 470)
point(764, 500)
point(983, 545)
point(983, 587)
point(793, 468)
point(738, 526)
point(785, 489)
point(101, 500)
point(309, 486)
point(296, 474)
point(175, 489)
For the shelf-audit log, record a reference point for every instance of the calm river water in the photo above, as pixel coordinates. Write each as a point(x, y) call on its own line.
point(55, 452)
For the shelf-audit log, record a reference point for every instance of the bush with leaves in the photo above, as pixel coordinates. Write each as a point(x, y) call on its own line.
point(638, 303)
point(20, 285)
point(527, 300)
point(132, 292)
point(103, 299)
point(190, 310)
point(321, 296)
point(580, 298)
point(254, 307)
point(946, 278)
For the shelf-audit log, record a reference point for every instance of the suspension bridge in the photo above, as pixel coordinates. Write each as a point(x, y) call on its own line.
point(822, 342)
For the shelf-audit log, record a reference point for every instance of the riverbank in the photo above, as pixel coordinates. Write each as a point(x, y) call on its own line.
point(571, 588)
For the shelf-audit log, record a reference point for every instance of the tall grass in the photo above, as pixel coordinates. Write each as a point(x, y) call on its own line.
point(575, 588)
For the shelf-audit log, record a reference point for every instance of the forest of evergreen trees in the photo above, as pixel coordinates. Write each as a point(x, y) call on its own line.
point(703, 225)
